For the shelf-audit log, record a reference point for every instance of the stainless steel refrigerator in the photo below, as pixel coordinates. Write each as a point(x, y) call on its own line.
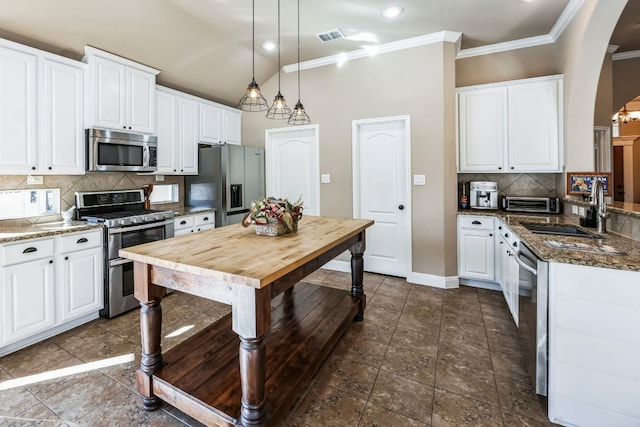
point(229, 178)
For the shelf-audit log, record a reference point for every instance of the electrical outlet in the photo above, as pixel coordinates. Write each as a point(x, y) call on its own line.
point(581, 211)
point(159, 178)
point(574, 209)
point(325, 178)
point(34, 180)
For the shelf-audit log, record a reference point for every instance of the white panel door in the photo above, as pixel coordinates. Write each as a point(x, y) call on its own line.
point(292, 165)
point(381, 193)
point(80, 285)
point(141, 92)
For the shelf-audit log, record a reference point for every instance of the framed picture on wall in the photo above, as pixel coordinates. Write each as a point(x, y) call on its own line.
point(581, 182)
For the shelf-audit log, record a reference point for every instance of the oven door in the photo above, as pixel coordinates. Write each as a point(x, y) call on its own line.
point(119, 291)
point(124, 237)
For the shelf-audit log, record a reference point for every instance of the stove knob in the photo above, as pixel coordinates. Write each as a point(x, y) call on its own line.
point(134, 220)
point(123, 222)
point(159, 217)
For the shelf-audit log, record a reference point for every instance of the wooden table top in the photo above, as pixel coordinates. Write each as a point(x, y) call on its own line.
point(236, 254)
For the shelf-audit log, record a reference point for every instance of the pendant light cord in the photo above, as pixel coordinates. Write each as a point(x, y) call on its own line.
point(253, 39)
point(298, 50)
point(278, 46)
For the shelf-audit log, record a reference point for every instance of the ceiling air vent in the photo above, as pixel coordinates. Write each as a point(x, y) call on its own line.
point(330, 35)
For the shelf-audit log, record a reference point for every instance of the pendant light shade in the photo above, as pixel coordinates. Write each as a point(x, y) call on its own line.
point(279, 110)
point(253, 99)
point(299, 116)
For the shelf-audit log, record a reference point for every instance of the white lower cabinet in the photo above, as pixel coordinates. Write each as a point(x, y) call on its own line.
point(47, 286)
point(79, 266)
point(193, 223)
point(28, 289)
point(507, 268)
point(476, 247)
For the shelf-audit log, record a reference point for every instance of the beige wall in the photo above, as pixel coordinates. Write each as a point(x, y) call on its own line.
point(604, 98)
point(627, 83)
point(418, 82)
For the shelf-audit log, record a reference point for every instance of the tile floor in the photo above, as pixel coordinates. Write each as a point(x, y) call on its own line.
point(422, 357)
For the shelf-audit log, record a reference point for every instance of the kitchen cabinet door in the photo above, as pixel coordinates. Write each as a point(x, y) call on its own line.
point(188, 127)
point(481, 129)
point(232, 126)
point(210, 124)
point(534, 130)
point(80, 283)
point(476, 248)
point(108, 95)
point(29, 302)
point(79, 269)
point(61, 118)
point(18, 120)
point(167, 133)
point(140, 103)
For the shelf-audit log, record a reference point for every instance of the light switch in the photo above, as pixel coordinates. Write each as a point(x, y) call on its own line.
point(581, 211)
point(419, 180)
point(574, 209)
point(325, 178)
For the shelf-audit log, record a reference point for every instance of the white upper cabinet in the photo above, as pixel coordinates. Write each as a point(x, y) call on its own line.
point(177, 131)
point(61, 120)
point(121, 93)
point(18, 82)
point(219, 125)
point(511, 126)
point(41, 112)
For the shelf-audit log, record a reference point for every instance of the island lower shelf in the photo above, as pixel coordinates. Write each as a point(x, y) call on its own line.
point(201, 376)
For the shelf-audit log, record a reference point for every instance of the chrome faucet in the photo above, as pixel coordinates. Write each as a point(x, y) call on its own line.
point(597, 200)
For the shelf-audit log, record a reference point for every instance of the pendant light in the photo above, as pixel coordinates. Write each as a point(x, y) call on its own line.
point(253, 99)
point(299, 116)
point(279, 110)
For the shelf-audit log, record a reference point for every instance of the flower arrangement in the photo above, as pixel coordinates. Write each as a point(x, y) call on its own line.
point(279, 212)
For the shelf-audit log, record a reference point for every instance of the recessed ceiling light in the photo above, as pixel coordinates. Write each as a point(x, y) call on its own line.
point(268, 45)
point(392, 12)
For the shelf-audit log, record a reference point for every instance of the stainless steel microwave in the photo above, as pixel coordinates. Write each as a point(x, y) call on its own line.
point(111, 151)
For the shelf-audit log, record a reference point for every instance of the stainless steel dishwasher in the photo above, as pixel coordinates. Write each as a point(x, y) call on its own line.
point(533, 316)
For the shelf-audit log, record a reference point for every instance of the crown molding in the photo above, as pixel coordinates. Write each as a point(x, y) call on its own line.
point(612, 48)
point(625, 55)
point(442, 36)
point(561, 24)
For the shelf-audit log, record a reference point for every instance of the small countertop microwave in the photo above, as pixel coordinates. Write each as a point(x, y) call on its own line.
point(112, 151)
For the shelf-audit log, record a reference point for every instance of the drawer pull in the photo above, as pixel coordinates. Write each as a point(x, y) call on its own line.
point(476, 222)
point(29, 250)
point(183, 222)
point(82, 240)
point(206, 218)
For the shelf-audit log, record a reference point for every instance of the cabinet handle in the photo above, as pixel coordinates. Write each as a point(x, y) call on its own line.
point(50, 261)
point(515, 244)
point(476, 222)
point(500, 241)
point(183, 222)
point(506, 234)
point(499, 227)
point(82, 240)
point(29, 250)
point(124, 127)
point(206, 218)
point(66, 258)
point(499, 167)
point(33, 168)
point(50, 168)
point(490, 234)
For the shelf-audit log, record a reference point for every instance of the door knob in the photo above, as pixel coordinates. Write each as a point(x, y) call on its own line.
point(401, 207)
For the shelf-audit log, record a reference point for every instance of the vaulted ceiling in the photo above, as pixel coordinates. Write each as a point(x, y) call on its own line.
point(205, 46)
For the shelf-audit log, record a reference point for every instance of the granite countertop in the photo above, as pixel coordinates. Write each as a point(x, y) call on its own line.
point(586, 251)
point(192, 211)
point(10, 234)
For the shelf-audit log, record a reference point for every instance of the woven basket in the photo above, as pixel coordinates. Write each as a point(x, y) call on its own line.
point(271, 229)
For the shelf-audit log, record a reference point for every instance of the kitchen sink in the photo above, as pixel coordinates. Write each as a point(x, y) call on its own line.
point(559, 230)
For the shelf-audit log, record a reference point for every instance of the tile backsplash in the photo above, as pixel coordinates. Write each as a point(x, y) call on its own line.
point(517, 184)
point(94, 181)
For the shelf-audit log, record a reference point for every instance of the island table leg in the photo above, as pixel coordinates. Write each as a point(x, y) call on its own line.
point(252, 371)
point(149, 296)
point(357, 273)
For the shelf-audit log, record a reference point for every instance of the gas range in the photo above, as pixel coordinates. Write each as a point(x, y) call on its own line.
point(126, 223)
point(119, 208)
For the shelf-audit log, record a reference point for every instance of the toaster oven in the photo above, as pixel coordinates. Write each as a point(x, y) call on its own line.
point(531, 204)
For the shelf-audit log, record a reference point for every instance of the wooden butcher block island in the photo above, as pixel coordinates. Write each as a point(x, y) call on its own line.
point(249, 367)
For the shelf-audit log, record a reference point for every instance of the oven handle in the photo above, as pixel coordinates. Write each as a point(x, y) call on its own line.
point(523, 264)
point(119, 261)
point(117, 230)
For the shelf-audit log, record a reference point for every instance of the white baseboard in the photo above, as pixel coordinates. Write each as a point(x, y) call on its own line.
point(337, 265)
point(417, 278)
point(481, 284)
point(443, 282)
